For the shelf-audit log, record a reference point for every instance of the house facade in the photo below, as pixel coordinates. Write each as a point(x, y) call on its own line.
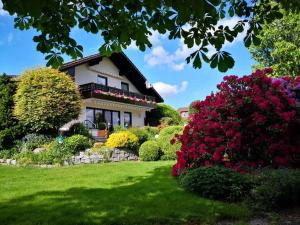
point(113, 91)
point(184, 112)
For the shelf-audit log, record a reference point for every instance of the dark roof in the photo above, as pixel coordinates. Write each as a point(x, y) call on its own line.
point(126, 68)
point(183, 109)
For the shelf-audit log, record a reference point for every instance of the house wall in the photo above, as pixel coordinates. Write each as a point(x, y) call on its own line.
point(86, 74)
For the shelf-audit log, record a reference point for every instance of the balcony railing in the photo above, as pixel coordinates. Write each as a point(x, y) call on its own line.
point(94, 90)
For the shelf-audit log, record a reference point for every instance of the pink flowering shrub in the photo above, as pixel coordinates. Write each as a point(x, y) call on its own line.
point(251, 121)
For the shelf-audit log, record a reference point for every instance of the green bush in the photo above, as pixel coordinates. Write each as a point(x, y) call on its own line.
point(32, 141)
point(79, 128)
point(12, 151)
point(165, 136)
point(57, 153)
point(46, 99)
point(77, 143)
point(276, 188)
point(118, 128)
point(152, 132)
point(141, 133)
point(161, 111)
point(123, 139)
point(10, 129)
point(149, 151)
point(216, 183)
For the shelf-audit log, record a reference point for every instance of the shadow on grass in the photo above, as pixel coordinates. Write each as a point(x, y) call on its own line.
point(154, 199)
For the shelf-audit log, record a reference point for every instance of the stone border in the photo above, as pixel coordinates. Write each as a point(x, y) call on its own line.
point(87, 157)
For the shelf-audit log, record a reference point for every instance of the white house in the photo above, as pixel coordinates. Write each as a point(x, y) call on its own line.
point(112, 90)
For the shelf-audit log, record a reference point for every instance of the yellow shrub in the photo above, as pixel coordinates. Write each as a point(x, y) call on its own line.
point(123, 139)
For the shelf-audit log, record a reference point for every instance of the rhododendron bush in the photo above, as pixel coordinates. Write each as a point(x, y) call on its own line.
point(251, 122)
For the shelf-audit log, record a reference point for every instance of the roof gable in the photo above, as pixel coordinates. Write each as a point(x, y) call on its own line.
point(125, 66)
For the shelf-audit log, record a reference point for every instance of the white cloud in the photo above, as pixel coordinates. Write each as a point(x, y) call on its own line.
point(160, 56)
point(10, 37)
point(166, 90)
point(2, 11)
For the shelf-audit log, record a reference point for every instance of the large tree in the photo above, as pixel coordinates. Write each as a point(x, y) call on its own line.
point(46, 99)
point(121, 22)
point(9, 125)
point(280, 46)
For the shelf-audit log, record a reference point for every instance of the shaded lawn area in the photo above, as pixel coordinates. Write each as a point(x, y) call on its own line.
point(113, 193)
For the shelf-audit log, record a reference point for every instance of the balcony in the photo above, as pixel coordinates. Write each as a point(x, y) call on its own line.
point(93, 90)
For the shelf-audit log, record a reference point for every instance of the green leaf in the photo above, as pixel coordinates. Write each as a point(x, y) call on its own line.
point(204, 57)
point(214, 60)
point(197, 62)
point(54, 60)
point(256, 40)
point(247, 40)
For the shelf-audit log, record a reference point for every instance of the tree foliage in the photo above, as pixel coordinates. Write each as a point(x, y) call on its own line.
point(280, 46)
point(9, 126)
point(196, 22)
point(46, 99)
point(163, 111)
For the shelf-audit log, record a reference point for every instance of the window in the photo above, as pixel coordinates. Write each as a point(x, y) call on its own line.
point(124, 86)
point(127, 119)
point(109, 117)
point(89, 117)
point(102, 80)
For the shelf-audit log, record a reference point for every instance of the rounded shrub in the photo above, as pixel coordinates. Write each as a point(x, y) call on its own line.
point(216, 183)
point(46, 99)
point(141, 133)
point(276, 188)
point(149, 151)
point(77, 143)
point(123, 139)
point(165, 137)
point(252, 120)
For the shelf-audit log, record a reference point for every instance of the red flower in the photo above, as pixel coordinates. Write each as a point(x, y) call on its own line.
point(252, 117)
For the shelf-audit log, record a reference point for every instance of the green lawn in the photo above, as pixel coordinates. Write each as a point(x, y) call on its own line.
point(112, 193)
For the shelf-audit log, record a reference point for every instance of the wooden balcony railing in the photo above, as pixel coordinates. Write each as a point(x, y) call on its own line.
point(93, 90)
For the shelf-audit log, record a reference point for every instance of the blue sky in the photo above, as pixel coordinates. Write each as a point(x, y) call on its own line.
point(163, 65)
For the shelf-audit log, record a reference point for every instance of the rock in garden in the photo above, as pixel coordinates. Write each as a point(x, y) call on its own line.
point(77, 159)
point(95, 158)
point(13, 162)
point(85, 160)
point(38, 150)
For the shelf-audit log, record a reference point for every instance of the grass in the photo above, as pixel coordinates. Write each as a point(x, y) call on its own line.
point(113, 193)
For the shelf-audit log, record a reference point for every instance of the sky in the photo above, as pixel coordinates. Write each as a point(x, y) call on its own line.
point(163, 65)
